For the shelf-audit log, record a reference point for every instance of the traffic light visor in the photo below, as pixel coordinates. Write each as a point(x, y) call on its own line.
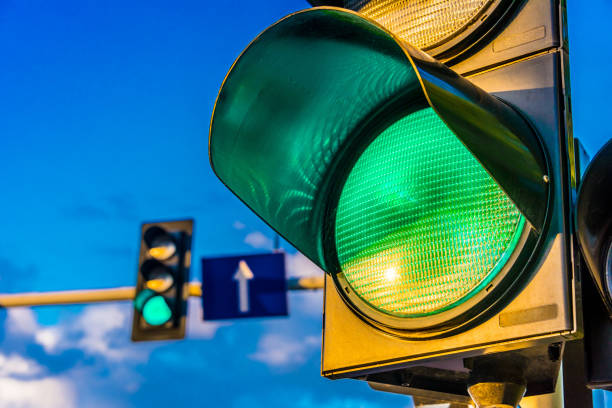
point(412, 187)
point(309, 94)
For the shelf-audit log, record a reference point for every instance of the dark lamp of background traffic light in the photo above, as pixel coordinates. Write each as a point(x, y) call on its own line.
point(161, 245)
point(371, 161)
point(154, 308)
point(157, 276)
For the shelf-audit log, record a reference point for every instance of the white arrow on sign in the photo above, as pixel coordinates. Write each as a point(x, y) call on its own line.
point(243, 275)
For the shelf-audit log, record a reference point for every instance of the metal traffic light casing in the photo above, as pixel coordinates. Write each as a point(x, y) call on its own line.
point(160, 302)
point(437, 205)
point(594, 222)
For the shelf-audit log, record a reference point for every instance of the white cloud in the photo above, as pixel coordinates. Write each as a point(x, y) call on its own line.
point(298, 266)
point(308, 302)
point(37, 393)
point(101, 330)
point(281, 351)
point(49, 338)
point(98, 329)
point(258, 240)
point(98, 325)
point(20, 389)
point(21, 320)
point(238, 225)
point(17, 365)
point(197, 328)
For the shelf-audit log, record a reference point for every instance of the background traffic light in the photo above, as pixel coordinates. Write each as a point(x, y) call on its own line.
point(439, 206)
point(160, 304)
point(594, 232)
point(594, 221)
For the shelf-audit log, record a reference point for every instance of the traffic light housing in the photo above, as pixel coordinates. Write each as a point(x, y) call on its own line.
point(594, 222)
point(162, 288)
point(439, 206)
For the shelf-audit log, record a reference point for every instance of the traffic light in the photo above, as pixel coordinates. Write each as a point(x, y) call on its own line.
point(594, 233)
point(421, 154)
point(160, 303)
point(594, 221)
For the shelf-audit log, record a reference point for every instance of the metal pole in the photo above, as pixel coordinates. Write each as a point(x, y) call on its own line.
point(125, 293)
point(575, 392)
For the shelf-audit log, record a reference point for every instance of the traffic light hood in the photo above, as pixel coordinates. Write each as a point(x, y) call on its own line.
point(309, 95)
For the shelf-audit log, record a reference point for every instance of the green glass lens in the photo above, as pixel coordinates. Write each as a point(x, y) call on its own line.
point(141, 298)
point(420, 225)
point(156, 311)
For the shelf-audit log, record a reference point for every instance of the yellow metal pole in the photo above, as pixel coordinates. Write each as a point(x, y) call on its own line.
point(307, 283)
point(125, 293)
point(67, 297)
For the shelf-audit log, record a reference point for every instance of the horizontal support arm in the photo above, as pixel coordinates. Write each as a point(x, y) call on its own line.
point(125, 293)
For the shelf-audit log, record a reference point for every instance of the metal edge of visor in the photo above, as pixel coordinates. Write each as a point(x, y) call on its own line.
point(212, 118)
point(463, 40)
point(498, 136)
point(228, 74)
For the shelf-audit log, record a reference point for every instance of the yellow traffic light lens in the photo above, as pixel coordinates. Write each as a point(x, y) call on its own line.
point(420, 225)
point(161, 244)
point(160, 281)
point(423, 24)
point(157, 276)
point(163, 251)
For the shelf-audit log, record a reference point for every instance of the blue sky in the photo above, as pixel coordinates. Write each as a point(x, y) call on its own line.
point(104, 119)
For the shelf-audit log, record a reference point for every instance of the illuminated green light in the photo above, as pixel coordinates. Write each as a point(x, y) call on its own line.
point(420, 226)
point(156, 311)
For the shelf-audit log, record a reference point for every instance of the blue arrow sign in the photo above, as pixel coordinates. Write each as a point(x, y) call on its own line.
point(244, 286)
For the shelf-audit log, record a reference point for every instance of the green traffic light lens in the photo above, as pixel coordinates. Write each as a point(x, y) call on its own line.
point(156, 311)
point(420, 225)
